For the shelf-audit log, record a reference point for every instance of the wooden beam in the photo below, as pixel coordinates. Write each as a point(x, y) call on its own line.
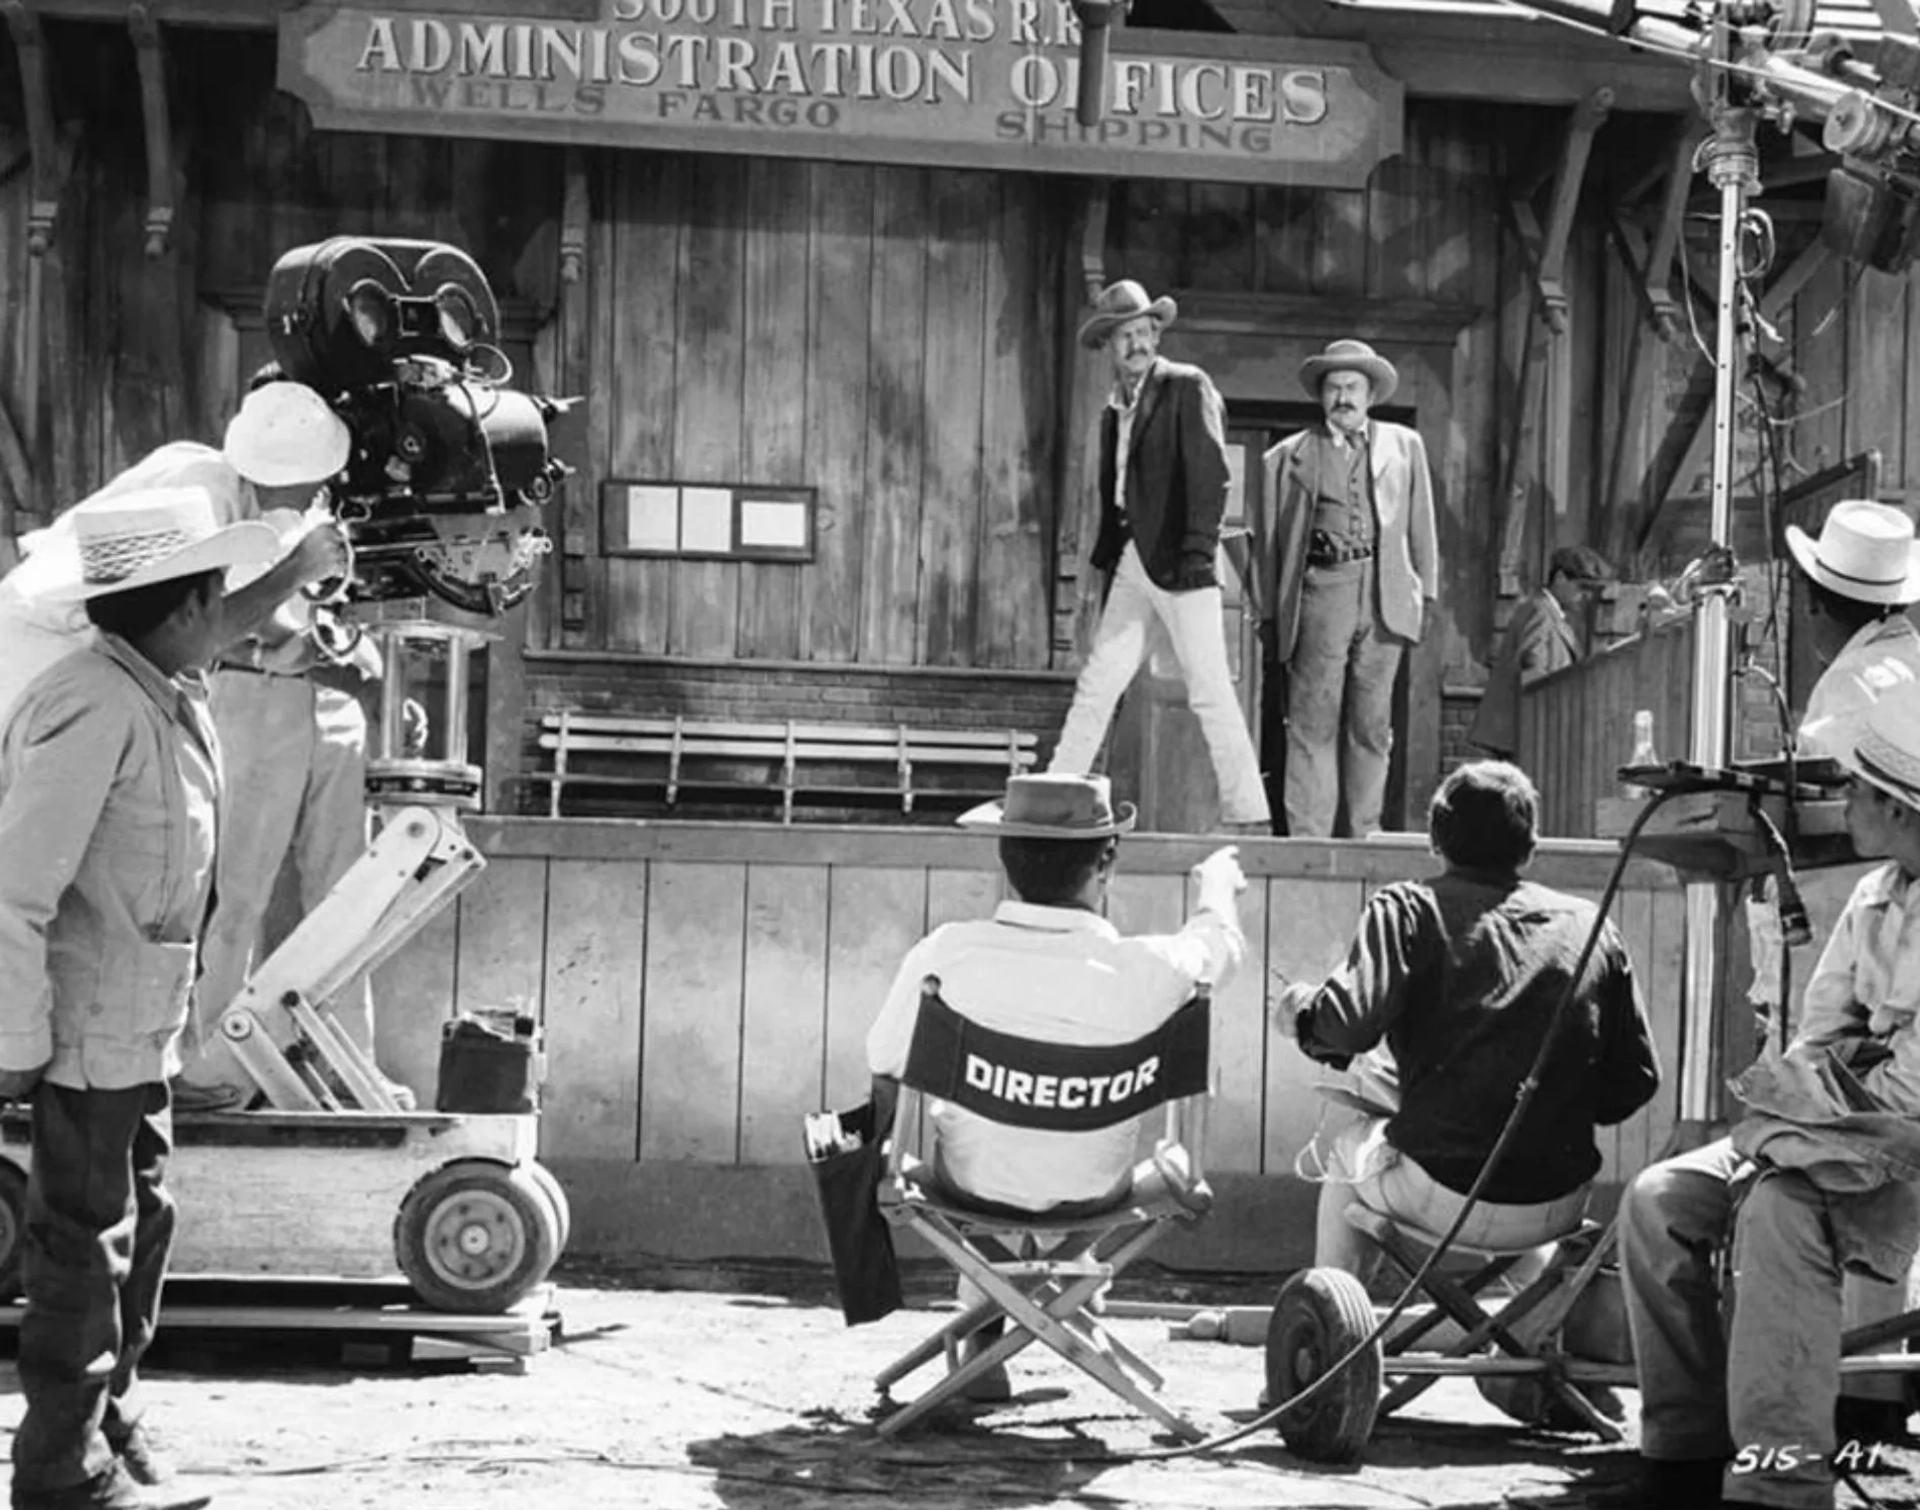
point(1686, 432)
point(575, 217)
point(30, 43)
point(151, 54)
point(1657, 275)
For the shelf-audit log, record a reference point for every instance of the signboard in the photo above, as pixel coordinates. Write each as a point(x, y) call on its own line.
point(966, 83)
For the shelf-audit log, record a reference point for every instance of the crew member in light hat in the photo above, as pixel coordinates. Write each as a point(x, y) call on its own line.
point(109, 803)
point(295, 738)
point(1817, 1195)
point(1863, 573)
point(1047, 965)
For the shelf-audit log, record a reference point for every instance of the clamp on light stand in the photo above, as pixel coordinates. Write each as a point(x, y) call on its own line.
point(1096, 17)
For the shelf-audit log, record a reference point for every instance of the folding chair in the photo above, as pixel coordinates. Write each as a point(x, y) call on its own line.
point(1041, 1273)
point(1522, 1332)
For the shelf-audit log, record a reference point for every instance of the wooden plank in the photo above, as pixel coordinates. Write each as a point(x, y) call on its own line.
point(1240, 1049)
point(596, 952)
point(413, 994)
point(690, 1031)
point(502, 961)
point(784, 1011)
point(896, 419)
point(959, 895)
point(962, 209)
point(1820, 355)
point(1019, 426)
point(707, 424)
point(1309, 930)
point(1138, 903)
point(874, 917)
point(840, 307)
point(1877, 375)
point(638, 318)
point(773, 446)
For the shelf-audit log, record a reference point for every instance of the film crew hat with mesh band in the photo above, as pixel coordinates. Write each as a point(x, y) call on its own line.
point(1053, 806)
point(1865, 551)
point(136, 539)
point(1885, 752)
point(286, 434)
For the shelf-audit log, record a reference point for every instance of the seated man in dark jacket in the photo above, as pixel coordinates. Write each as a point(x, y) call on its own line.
point(1460, 977)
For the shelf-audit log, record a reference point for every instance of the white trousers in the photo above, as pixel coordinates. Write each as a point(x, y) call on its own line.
point(1137, 611)
point(295, 760)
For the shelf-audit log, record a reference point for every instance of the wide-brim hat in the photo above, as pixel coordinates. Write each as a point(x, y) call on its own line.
point(130, 540)
point(1118, 303)
point(285, 435)
point(1865, 551)
point(1350, 356)
point(1053, 806)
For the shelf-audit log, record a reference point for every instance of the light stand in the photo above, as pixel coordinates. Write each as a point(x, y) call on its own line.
point(1733, 167)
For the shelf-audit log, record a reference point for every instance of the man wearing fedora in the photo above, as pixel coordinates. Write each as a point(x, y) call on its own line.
point(1048, 965)
point(1863, 573)
point(1350, 566)
point(1540, 639)
point(1163, 491)
point(110, 795)
point(1818, 1185)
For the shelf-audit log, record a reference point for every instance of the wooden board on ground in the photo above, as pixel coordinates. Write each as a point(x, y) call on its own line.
point(363, 1316)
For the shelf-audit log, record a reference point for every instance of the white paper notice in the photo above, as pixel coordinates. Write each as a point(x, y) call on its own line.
point(706, 520)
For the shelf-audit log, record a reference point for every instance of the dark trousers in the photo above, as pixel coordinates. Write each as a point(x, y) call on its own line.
point(99, 1228)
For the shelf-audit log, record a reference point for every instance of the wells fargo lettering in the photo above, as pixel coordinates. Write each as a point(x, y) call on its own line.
point(966, 82)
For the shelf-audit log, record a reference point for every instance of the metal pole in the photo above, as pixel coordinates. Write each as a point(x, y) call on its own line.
point(1733, 168)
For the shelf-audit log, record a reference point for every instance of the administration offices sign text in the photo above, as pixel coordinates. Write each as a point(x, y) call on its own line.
point(968, 83)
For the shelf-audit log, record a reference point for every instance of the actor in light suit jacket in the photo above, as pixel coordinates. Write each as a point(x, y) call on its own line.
point(1163, 492)
point(1351, 570)
point(1539, 641)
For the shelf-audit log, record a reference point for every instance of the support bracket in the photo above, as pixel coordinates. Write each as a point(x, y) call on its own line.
point(1662, 308)
point(1548, 248)
point(574, 218)
point(150, 52)
point(30, 42)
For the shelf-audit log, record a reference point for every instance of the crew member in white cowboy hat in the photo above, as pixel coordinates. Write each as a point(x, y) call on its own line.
point(109, 796)
point(1816, 1191)
point(36, 630)
point(1863, 572)
point(1048, 965)
point(294, 733)
point(1163, 491)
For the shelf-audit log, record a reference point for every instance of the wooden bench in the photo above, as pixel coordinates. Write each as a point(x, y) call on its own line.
point(680, 753)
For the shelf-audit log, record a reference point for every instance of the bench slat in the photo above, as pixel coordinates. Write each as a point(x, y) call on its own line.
point(776, 733)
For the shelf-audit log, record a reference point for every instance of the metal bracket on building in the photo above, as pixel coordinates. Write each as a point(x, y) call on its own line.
point(574, 218)
point(43, 204)
point(149, 50)
point(1548, 248)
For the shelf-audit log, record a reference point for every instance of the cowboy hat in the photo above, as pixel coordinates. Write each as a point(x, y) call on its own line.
point(1884, 750)
point(134, 539)
point(1350, 356)
point(1053, 806)
point(1866, 551)
point(1118, 303)
point(286, 434)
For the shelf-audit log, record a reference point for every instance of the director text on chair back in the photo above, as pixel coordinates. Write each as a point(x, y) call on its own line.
point(1043, 1087)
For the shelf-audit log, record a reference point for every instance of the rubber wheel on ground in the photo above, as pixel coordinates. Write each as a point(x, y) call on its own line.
point(562, 1210)
point(475, 1237)
point(13, 1226)
point(1319, 1317)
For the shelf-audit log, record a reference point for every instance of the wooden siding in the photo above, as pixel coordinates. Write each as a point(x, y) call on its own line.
point(702, 987)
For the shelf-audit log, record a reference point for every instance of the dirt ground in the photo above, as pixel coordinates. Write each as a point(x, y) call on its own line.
point(748, 1392)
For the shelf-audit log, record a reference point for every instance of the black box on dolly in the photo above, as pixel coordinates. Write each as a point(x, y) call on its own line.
point(486, 1070)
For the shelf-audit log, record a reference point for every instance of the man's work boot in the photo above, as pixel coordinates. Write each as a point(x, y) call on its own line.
point(143, 1461)
point(112, 1490)
point(188, 1097)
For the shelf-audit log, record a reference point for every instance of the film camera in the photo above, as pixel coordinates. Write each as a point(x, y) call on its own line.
point(450, 467)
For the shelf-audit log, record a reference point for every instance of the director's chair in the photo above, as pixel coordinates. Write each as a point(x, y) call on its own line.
point(1041, 1273)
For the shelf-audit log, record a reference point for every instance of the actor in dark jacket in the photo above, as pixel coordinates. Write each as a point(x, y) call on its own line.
point(1163, 487)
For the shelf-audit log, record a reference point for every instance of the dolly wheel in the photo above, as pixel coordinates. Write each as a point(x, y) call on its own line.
point(557, 1198)
point(475, 1237)
point(13, 1226)
point(1320, 1315)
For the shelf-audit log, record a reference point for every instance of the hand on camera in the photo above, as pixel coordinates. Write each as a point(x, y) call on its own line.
point(322, 554)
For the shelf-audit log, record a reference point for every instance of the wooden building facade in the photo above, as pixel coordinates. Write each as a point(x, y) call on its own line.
point(894, 334)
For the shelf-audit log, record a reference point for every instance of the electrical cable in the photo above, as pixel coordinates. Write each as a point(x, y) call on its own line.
point(1523, 1099)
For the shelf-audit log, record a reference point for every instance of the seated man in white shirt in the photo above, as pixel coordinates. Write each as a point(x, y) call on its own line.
point(1049, 966)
